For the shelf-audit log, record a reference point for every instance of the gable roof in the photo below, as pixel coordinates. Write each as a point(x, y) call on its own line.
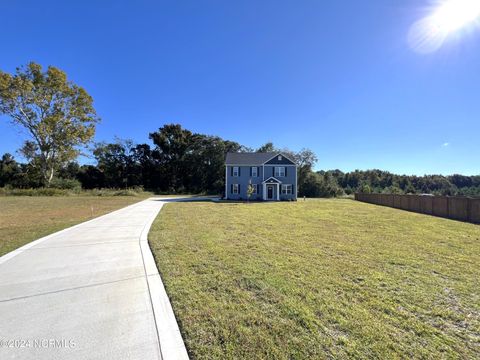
point(250, 158)
point(272, 179)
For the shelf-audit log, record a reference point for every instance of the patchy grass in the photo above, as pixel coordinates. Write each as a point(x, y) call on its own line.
point(26, 218)
point(319, 279)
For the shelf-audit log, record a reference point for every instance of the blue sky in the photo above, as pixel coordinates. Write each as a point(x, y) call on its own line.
point(338, 77)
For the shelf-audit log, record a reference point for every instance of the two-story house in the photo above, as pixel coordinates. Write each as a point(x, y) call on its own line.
point(273, 176)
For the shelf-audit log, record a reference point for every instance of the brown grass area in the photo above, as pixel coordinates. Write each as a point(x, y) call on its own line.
point(24, 218)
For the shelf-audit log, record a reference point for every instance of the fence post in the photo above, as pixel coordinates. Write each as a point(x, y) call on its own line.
point(448, 207)
point(469, 209)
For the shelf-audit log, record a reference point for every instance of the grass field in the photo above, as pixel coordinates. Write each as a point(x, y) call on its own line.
point(319, 279)
point(26, 218)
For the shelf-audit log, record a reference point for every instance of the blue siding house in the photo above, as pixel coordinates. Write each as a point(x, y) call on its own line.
point(272, 175)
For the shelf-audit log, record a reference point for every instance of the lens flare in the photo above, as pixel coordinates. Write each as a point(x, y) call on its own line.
point(455, 14)
point(428, 34)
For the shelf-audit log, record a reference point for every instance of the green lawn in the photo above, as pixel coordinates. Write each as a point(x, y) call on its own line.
point(27, 218)
point(319, 279)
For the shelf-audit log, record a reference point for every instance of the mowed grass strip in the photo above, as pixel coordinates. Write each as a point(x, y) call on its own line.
point(25, 218)
point(319, 279)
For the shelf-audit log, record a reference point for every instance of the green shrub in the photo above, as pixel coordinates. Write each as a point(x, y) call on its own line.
point(67, 184)
point(6, 191)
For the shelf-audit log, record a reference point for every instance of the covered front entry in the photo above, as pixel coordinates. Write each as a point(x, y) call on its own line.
point(271, 189)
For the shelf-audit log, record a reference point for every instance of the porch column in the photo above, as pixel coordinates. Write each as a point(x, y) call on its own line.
point(278, 192)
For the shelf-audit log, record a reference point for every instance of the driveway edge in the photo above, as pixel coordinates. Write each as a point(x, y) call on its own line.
point(17, 251)
point(169, 336)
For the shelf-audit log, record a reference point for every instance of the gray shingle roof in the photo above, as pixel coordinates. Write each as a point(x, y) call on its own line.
point(249, 158)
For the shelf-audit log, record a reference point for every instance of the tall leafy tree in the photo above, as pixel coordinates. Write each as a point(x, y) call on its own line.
point(57, 115)
point(267, 147)
point(9, 169)
point(116, 162)
point(305, 160)
point(189, 161)
point(206, 161)
point(151, 173)
point(172, 144)
point(91, 177)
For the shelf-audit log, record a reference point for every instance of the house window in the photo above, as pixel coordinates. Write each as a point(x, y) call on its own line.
point(279, 171)
point(280, 157)
point(287, 189)
point(255, 188)
point(235, 189)
point(254, 171)
point(235, 171)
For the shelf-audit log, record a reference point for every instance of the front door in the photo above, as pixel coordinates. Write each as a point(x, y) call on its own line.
point(270, 192)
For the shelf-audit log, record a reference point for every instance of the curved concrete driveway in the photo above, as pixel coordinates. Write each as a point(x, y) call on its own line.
point(86, 293)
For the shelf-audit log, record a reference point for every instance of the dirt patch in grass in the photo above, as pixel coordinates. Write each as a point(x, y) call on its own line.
point(319, 279)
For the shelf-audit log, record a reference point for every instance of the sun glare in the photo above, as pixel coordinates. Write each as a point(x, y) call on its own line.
point(454, 14)
point(428, 34)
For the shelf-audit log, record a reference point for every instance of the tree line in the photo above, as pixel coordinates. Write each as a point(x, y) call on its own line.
point(335, 182)
point(180, 161)
point(59, 118)
point(177, 161)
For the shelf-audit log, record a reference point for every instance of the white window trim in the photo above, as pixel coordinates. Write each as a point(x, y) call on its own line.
point(287, 189)
point(255, 189)
point(256, 171)
point(279, 174)
point(235, 189)
point(235, 174)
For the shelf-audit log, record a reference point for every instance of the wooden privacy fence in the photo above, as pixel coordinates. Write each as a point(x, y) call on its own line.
point(452, 207)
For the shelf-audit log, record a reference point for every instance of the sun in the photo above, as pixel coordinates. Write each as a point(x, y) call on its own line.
point(448, 17)
point(455, 14)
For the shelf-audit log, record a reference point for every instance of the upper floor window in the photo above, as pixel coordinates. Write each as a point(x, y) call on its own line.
point(280, 157)
point(255, 171)
point(235, 171)
point(287, 189)
point(279, 171)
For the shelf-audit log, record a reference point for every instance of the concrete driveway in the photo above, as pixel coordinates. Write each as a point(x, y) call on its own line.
point(91, 291)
